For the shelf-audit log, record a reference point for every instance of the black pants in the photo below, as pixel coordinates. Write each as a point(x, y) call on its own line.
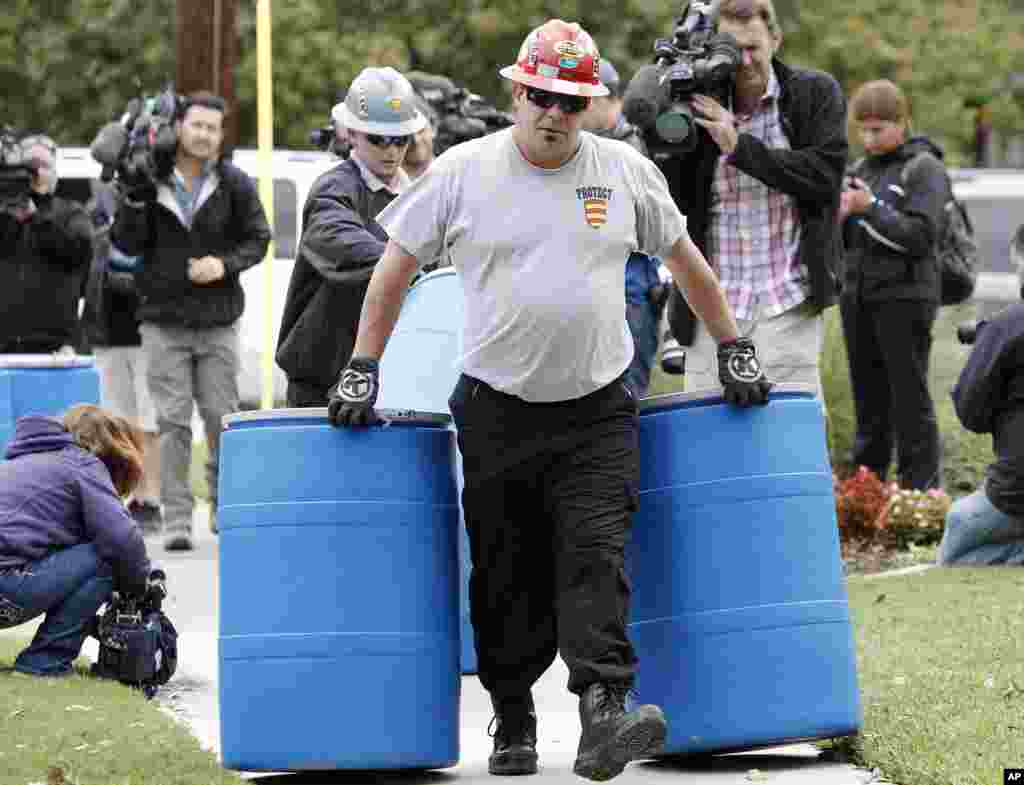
point(550, 489)
point(302, 395)
point(889, 345)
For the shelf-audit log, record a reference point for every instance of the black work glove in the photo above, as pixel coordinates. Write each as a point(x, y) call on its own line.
point(740, 373)
point(121, 283)
point(156, 584)
point(352, 399)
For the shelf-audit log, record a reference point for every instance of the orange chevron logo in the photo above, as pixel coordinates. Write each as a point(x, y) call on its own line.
point(596, 212)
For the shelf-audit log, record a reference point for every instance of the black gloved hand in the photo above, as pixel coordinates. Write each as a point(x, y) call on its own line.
point(156, 585)
point(352, 399)
point(121, 283)
point(740, 373)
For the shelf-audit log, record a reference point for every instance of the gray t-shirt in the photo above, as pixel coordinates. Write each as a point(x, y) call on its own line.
point(541, 255)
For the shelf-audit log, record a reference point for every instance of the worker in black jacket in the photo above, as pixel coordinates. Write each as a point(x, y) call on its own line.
point(195, 231)
point(341, 240)
point(45, 249)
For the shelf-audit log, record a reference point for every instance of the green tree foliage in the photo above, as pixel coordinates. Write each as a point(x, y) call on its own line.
point(70, 65)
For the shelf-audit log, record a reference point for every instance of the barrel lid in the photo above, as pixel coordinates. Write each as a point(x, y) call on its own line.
point(440, 272)
point(709, 397)
point(45, 360)
point(319, 413)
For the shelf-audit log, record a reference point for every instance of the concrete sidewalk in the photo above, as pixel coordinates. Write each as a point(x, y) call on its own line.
point(192, 697)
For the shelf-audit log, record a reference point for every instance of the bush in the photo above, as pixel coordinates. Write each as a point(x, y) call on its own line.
point(869, 510)
point(860, 500)
point(913, 517)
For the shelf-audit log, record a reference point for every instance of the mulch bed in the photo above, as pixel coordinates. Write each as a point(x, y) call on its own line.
point(866, 558)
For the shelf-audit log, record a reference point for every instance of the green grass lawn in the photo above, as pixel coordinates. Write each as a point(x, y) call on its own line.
point(941, 674)
point(96, 732)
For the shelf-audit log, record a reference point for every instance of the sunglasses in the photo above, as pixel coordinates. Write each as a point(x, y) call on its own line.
point(570, 104)
point(388, 141)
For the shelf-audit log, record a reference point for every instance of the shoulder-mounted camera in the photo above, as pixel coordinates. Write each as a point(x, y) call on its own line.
point(697, 59)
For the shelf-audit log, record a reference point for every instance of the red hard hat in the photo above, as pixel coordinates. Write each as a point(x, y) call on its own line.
point(559, 57)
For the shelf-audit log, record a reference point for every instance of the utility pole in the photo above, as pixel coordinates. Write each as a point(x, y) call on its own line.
point(206, 54)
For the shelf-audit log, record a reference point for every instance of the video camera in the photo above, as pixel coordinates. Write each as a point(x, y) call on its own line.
point(326, 138)
point(461, 114)
point(695, 60)
point(138, 643)
point(140, 146)
point(16, 171)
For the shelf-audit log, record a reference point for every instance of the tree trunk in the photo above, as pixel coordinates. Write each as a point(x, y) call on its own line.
point(206, 54)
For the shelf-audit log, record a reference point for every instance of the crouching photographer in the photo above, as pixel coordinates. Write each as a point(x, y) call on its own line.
point(987, 527)
point(45, 249)
point(66, 541)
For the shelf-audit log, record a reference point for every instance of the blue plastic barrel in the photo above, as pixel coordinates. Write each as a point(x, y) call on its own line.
point(339, 630)
point(46, 384)
point(739, 615)
point(420, 366)
point(419, 369)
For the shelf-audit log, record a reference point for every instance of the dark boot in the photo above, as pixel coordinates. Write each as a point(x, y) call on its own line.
point(612, 737)
point(515, 736)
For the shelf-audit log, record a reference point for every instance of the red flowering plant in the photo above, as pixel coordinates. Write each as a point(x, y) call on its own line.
point(860, 500)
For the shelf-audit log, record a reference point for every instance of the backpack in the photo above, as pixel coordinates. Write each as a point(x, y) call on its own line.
point(956, 251)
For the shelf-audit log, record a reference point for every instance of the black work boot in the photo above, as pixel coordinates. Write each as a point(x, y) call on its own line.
point(612, 737)
point(515, 736)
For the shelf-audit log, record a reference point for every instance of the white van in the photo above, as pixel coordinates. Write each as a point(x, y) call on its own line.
point(294, 172)
point(995, 204)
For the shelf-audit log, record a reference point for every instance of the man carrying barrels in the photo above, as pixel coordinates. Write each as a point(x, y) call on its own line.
point(538, 220)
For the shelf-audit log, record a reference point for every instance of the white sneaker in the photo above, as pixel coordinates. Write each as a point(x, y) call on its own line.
point(673, 356)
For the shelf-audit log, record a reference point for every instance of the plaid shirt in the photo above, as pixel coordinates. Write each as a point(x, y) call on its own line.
point(754, 230)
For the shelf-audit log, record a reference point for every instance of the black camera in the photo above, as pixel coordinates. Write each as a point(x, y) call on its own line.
point(326, 138)
point(16, 171)
point(695, 60)
point(140, 146)
point(460, 114)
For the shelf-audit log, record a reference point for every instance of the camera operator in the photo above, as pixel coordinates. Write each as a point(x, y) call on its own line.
point(760, 193)
point(45, 249)
point(987, 527)
point(196, 229)
point(341, 239)
point(66, 540)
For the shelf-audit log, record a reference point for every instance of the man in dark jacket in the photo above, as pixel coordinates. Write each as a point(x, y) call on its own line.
point(760, 193)
point(987, 526)
point(196, 229)
point(341, 240)
point(45, 248)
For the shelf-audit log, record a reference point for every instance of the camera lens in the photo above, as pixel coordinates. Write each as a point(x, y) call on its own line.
point(675, 125)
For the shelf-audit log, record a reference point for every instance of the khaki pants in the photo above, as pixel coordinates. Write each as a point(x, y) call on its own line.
point(189, 365)
point(788, 346)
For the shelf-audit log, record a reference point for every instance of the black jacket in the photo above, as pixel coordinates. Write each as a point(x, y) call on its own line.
point(341, 243)
point(109, 312)
point(890, 250)
point(989, 398)
point(229, 224)
point(813, 115)
point(42, 263)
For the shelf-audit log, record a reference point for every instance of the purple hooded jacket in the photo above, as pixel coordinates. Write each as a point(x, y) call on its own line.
point(55, 494)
